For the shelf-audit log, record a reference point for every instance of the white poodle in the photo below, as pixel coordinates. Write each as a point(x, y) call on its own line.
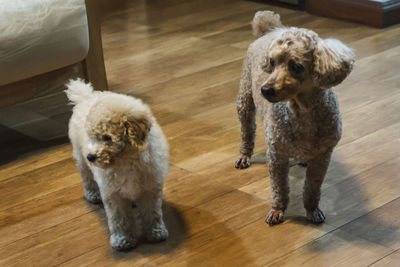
point(122, 156)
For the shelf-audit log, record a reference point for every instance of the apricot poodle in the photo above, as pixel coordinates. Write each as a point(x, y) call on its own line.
point(287, 79)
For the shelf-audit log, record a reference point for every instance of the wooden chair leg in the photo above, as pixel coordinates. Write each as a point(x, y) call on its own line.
point(94, 62)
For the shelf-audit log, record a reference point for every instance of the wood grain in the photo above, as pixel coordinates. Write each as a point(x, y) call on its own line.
point(94, 61)
point(45, 84)
point(392, 259)
point(334, 249)
point(379, 226)
point(184, 58)
point(369, 12)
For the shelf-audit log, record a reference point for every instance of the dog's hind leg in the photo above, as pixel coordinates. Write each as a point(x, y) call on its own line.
point(153, 225)
point(247, 113)
point(279, 170)
point(315, 175)
point(90, 188)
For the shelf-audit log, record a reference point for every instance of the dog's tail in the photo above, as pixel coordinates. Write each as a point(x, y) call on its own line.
point(264, 22)
point(78, 90)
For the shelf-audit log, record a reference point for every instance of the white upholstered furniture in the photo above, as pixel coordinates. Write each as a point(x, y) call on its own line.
point(38, 36)
point(43, 43)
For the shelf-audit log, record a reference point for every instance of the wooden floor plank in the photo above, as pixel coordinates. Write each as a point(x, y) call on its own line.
point(38, 160)
point(364, 153)
point(392, 259)
point(380, 226)
point(366, 120)
point(233, 249)
point(334, 249)
point(34, 184)
point(56, 244)
point(41, 213)
point(357, 92)
point(23, 217)
point(184, 58)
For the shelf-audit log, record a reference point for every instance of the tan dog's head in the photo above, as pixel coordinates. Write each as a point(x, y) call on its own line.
point(116, 124)
point(297, 61)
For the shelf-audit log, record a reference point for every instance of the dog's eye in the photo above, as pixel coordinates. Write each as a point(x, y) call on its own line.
point(107, 138)
point(272, 62)
point(295, 68)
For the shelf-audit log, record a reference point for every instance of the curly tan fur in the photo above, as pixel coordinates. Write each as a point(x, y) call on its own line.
point(286, 79)
point(265, 21)
point(122, 156)
point(137, 131)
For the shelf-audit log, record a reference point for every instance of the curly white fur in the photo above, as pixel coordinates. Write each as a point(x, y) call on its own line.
point(78, 91)
point(122, 156)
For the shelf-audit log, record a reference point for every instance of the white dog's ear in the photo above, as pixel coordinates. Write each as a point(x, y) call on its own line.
point(333, 61)
point(136, 131)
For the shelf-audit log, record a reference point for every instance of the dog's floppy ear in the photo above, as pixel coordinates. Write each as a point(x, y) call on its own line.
point(136, 131)
point(333, 61)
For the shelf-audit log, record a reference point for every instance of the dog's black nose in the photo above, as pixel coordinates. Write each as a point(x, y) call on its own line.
point(91, 157)
point(267, 92)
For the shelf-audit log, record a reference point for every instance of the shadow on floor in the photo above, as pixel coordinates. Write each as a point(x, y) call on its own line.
point(345, 204)
point(177, 234)
point(347, 207)
point(15, 145)
point(180, 239)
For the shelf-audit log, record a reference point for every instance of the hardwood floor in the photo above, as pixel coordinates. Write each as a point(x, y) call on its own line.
point(184, 59)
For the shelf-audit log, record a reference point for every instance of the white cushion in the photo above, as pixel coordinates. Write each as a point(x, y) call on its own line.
point(38, 36)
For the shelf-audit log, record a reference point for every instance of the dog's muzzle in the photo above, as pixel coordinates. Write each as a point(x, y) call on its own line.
point(269, 94)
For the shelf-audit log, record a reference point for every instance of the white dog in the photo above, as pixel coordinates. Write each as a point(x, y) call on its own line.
point(122, 156)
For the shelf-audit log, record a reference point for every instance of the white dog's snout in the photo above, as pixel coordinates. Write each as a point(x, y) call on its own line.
point(91, 147)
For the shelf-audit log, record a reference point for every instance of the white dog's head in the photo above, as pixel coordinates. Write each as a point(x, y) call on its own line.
point(116, 124)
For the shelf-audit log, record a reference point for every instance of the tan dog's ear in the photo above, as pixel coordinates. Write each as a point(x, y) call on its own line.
point(136, 131)
point(333, 61)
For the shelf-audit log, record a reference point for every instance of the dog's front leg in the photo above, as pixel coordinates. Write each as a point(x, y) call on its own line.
point(315, 175)
point(120, 222)
point(278, 170)
point(90, 188)
point(247, 113)
point(150, 203)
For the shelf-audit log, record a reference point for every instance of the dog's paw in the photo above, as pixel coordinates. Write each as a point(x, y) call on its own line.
point(93, 196)
point(122, 242)
point(275, 217)
point(316, 216)
point(242, 162)
point(157, 234)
